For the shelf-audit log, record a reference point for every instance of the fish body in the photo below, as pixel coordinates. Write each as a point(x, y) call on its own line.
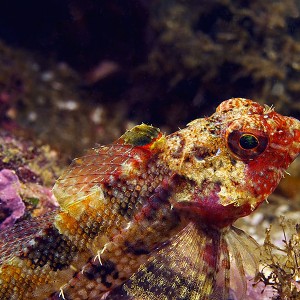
point(150, 216)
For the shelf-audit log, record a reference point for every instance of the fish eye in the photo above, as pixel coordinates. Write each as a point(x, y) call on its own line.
point(247, 145)
point(248, 141)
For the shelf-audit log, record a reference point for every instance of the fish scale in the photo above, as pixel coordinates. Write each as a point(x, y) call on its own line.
point(151, 216)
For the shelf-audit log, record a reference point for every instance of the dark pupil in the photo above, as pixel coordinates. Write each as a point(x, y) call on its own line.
point(248, 141)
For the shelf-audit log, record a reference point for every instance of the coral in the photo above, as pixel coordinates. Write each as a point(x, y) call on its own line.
point(12, 206)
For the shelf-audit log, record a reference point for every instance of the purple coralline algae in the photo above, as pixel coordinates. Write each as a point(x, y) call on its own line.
point(28, 170)
point(10, 200)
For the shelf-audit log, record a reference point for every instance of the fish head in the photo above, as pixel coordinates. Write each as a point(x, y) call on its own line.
point(227, 164)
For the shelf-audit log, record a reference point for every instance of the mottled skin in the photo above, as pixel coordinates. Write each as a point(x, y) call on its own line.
point(150, 216)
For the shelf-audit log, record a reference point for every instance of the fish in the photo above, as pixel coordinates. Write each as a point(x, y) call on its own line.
point(151, 216)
